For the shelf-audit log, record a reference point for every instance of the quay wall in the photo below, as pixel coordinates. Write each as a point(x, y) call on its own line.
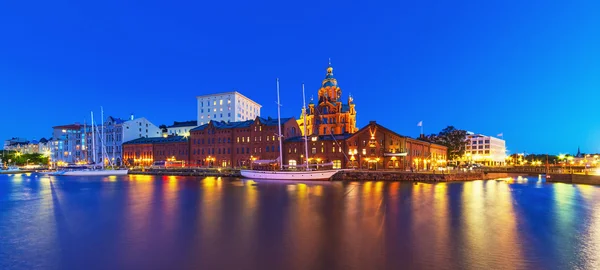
point(574, 179)
point(354, 175)
point(414, 177)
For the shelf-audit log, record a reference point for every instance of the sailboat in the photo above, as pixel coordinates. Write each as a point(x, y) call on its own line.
point(91, 170)
point(307, 174)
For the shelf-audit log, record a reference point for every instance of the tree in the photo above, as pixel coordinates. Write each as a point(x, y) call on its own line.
point(454, 139)
point(163, 128)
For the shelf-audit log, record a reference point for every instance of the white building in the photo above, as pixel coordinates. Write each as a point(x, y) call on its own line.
point(181, 128)
point(116, 132)
point(228, 107)
point(486, 150)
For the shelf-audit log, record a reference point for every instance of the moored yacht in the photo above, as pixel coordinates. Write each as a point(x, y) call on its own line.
point(305, 172)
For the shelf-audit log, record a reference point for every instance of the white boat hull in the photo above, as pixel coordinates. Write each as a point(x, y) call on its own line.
point(93, 173)
point(289, 175)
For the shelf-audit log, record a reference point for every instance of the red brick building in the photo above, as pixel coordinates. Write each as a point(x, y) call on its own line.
point(239, 144)
point(144, 151)
point(372, 147)
point(236, 144)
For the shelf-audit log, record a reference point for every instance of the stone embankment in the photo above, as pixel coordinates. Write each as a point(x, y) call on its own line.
point(574, 179)
point(189, 172)
point(414, 177)
point(353, 175)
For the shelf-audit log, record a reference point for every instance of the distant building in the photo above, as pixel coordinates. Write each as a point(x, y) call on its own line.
point(227, 107)
point(10, 144)
point(68, 144)
point(181, 128)
point(330, 115)
point(486, 150)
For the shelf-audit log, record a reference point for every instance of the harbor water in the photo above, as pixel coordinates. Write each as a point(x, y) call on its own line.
point(167, 222)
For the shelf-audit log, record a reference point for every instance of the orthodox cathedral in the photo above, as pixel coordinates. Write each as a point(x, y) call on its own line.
point(330, 115)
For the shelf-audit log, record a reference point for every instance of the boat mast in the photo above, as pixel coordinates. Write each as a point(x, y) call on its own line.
point(102, 135)
point(93, 141)
point(279, 125)
point(305, 135)
point(114, 146)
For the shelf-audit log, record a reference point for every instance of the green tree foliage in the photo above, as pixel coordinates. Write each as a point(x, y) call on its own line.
point(23, 159)
point(454, 139)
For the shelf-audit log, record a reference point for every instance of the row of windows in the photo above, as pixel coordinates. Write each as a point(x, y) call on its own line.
point(214, 116)
point(239, 150)
point(480, 147)
point(480, 152)
point(481, 141)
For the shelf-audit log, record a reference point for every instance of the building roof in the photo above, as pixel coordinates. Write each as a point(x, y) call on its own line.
point(176, 124)
point(69, 126)
point(43, 140)
point(242, 124)
point(116, 120)
point(272, 121)
point(156, 140)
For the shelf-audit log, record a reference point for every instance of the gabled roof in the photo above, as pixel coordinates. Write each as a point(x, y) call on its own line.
point(184, 124)
point(115, 120)
point(157, 140)
point(272, 121)
point(241, 124)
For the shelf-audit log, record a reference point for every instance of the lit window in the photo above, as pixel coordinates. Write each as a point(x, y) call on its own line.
point(221, 102)
point(364, 151)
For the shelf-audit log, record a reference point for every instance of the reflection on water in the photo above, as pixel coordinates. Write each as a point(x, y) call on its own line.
point(171, 222)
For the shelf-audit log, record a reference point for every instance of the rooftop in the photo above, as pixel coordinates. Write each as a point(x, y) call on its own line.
point(169, 139)
point(69, 126)
point(176, 124)
point(242, 124)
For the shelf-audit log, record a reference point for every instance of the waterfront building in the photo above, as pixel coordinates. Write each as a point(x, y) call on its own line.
point(330, 115)
point(116, 132)
point(144, 151)
point(237, 144)
point(181, 128)
point(373, 147)
point(68, 144)
point(227, 107)
point(44, 146)
point(27, 147)
point(486, 150)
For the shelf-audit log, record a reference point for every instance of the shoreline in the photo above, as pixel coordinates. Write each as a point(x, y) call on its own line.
point(392, 176)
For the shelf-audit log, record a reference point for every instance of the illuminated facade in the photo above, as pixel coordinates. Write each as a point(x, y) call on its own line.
point(486, 150)
point(227, 107)
point(68, 144)
point(373, 147)
point(144, 151)
point(330, 115)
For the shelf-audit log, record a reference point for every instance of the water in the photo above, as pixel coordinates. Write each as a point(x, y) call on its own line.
point(146, 222)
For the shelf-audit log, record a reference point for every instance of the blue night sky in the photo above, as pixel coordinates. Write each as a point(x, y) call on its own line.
point(528, 69)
